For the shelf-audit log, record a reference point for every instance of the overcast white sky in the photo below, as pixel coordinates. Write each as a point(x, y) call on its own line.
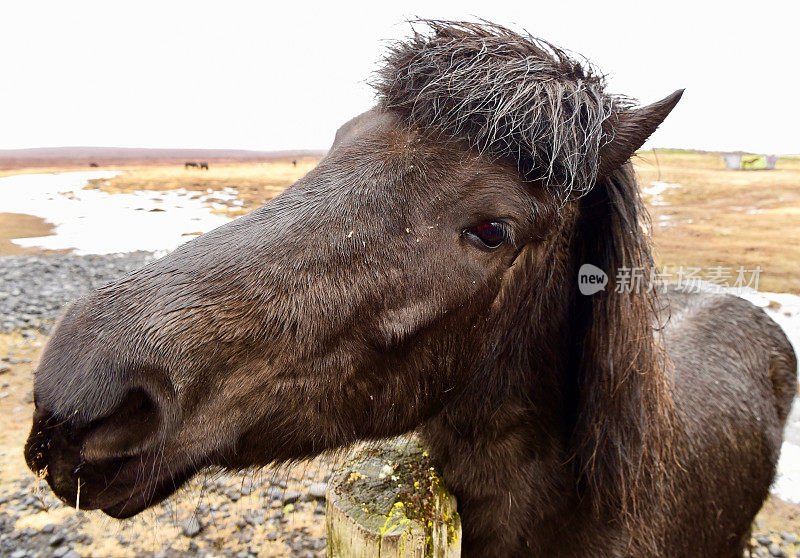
point(256, 75)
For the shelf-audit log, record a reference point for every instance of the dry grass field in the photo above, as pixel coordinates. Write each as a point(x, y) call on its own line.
point(720, 217)
point(19, 225)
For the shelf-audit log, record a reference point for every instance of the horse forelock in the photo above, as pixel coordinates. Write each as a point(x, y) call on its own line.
point(510, 95)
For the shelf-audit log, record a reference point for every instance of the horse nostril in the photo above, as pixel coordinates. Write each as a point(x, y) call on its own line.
point(129, 430)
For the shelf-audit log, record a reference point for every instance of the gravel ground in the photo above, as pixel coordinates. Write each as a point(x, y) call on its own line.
point(34, 289)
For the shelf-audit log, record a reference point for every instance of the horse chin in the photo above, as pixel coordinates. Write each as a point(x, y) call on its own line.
point(138, 501)
point(118, 491)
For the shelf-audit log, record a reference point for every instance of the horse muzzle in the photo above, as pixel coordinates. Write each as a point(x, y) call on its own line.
point(116, 463)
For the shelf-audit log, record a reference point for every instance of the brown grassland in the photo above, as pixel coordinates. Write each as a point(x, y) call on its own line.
point(19, 225)
point(728, 218)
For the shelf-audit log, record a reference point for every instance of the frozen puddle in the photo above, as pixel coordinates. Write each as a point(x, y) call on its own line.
point(95, 222)
point(653, 192)
point(787, 315)
point(653, 195)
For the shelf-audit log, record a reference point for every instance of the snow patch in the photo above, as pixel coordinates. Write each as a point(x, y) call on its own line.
point(91, 221)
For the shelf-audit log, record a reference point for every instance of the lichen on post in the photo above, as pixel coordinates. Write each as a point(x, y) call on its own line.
point(389, 502)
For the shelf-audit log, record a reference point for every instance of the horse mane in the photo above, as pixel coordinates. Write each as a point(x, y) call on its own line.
point(510, 95)
point(623, 437)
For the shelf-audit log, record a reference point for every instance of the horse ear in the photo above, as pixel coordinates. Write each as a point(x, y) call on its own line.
point(629, 129)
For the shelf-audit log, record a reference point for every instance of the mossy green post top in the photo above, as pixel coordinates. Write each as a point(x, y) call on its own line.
point(390, 502)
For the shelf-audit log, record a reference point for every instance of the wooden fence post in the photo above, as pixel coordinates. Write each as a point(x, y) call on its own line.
point(389, 502)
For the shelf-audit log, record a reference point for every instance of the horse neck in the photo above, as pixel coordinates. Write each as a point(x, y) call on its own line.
point(503, 445)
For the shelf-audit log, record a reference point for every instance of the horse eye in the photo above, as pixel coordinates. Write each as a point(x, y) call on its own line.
point(491, 234)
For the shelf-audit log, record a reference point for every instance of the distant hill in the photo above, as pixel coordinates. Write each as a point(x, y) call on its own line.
point(106, 156)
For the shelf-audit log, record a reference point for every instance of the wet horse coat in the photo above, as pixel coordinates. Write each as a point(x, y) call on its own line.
point(424, 276)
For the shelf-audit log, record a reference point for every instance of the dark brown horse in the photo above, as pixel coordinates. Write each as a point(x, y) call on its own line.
point(425, 276)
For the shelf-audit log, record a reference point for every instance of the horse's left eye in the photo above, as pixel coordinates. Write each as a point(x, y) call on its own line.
point(491, 234)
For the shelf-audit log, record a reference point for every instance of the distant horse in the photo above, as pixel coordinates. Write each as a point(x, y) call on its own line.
point(204, 166)
point(189, 164)
point(93, 165)
point(425, 276)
